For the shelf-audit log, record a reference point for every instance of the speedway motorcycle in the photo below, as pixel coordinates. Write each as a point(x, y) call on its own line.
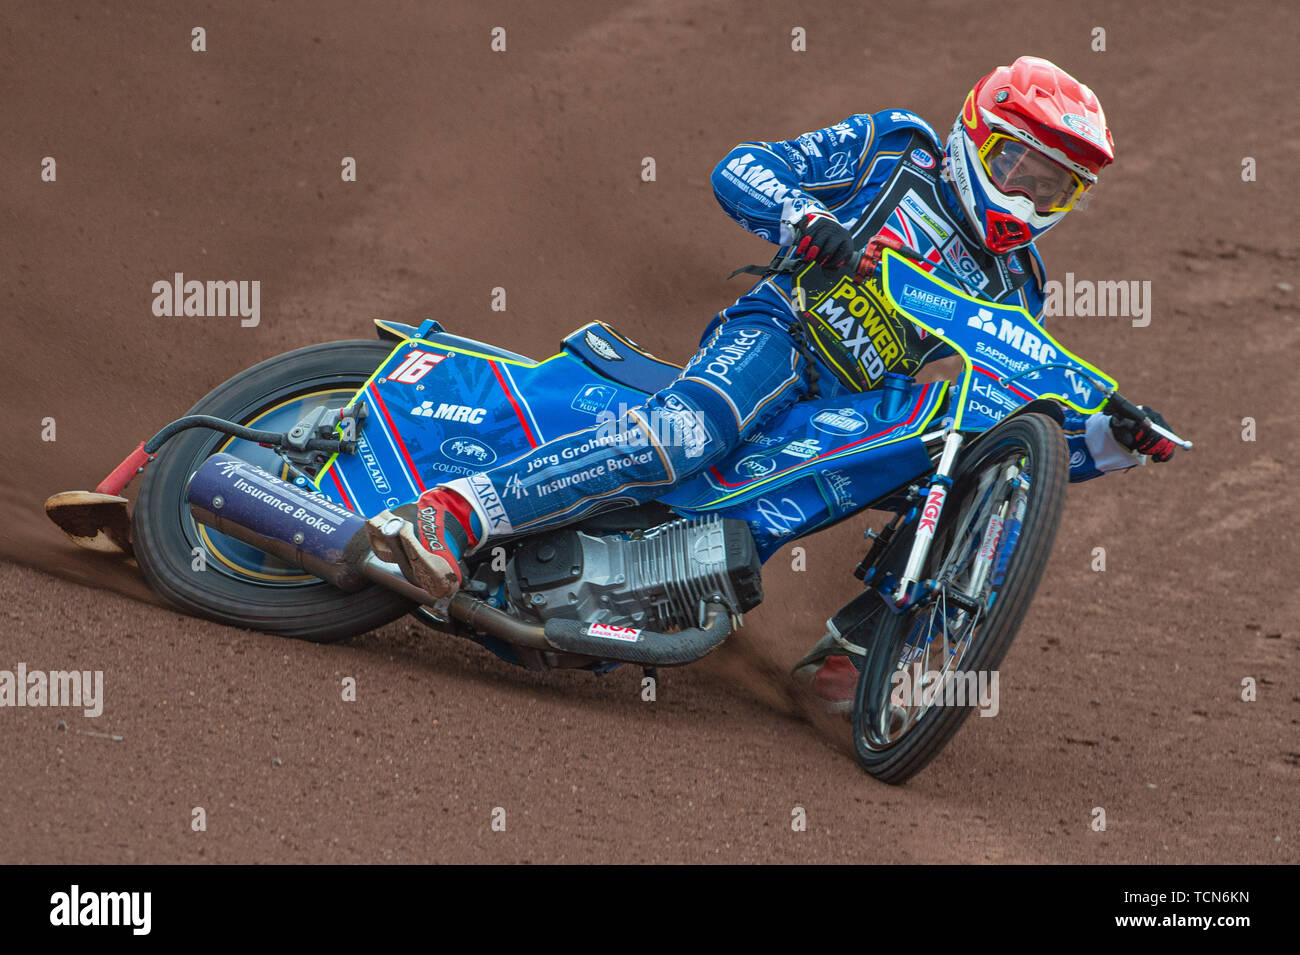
point(251, 507)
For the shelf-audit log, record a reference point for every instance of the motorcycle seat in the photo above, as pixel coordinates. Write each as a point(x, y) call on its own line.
point(620, 359)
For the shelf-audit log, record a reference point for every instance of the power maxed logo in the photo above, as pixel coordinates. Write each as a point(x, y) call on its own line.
point(858, 316)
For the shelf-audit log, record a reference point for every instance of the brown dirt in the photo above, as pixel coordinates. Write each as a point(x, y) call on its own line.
point(522, 170)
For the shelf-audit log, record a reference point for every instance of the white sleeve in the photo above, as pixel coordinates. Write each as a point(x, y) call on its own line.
point(1107, 453)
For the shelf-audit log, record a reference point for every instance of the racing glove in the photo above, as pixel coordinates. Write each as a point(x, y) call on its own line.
point(820, 238)
point(1139, 438)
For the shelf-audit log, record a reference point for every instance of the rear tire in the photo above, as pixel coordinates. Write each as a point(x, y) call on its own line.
point(1038, 441)
point(271, 597)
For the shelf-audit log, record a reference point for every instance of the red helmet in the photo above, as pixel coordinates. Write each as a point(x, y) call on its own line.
point(1029, 142)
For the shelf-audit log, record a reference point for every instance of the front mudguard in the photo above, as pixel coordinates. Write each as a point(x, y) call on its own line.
point(1043, 406)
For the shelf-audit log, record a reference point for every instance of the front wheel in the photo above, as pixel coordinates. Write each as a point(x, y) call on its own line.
point(929, 665)
point(215, 576)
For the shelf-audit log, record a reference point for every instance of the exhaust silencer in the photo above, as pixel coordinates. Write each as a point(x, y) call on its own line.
point(252, 505)
point(244, 502)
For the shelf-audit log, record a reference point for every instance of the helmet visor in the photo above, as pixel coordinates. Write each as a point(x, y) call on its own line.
point(1017, 169)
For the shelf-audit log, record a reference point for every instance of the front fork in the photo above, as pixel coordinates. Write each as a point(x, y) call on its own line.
point(909, 588)
point(927, 522)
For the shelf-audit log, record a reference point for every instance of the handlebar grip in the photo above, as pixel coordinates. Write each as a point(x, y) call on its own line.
point(1118, 404)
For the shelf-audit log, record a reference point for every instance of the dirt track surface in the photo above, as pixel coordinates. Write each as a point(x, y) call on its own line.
point(522, 170)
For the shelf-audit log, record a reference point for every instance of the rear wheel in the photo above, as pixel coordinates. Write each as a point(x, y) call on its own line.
point(214, 576)
point(988, 555)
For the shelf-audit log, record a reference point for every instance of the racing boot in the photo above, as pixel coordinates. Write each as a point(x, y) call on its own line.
point(834, 680)
point(828, 674)
point(434, 533)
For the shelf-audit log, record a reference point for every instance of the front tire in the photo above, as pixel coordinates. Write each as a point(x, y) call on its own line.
point(894, 736)
point(203, 572)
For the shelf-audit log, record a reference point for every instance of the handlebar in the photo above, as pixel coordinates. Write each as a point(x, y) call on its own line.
point(1116, 404)
point(869, 263)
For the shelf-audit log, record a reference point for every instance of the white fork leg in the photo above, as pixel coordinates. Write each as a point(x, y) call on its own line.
point(983, 563)
point(929, 519)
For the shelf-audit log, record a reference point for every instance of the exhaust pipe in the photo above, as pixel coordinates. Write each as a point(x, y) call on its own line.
point(326, 539)
point(254, 506)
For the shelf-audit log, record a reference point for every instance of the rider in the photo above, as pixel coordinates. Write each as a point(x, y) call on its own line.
point(1027, 145)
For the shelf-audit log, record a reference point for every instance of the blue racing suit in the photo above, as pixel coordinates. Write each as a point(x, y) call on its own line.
point(875, 173)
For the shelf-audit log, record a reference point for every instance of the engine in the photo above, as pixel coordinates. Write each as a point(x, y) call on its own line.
point(655, 579)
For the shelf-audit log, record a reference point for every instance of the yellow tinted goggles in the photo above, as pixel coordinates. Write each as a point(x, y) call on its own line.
point(1016, 168)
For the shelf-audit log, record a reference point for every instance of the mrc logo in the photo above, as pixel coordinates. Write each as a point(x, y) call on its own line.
point(1014, 336)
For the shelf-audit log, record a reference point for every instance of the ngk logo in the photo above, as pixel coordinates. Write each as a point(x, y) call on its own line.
point(930, 513)
point(611, 632)
point(991, 536)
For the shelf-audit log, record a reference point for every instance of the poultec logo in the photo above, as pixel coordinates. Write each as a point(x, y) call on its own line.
point(735, 353)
